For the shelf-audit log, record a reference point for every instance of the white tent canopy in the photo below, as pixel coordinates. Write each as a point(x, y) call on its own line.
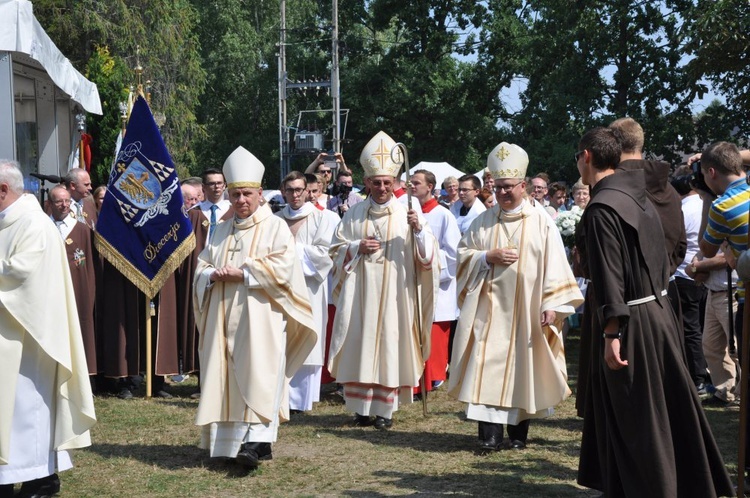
point(21, 32)
point(440, 170)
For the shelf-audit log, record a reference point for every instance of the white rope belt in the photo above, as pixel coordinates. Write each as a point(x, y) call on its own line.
point(647, 299)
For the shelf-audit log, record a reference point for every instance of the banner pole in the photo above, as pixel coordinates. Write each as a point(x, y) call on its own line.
point(148, 348)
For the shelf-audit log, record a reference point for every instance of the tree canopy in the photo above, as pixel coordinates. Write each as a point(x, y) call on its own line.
point(431, 73)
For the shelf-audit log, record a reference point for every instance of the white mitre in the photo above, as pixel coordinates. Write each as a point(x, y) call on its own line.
point(376, 157)
point(508, 161)
point(242, 169)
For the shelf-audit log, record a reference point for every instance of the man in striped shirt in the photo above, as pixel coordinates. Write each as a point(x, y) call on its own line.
point(726, 216)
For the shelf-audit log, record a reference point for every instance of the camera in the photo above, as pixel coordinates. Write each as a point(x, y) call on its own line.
point(342, 191)
point(697, 180)
point(682, 184)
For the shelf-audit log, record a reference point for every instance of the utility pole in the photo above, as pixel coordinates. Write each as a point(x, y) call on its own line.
point(283, 128)
point(335, 78)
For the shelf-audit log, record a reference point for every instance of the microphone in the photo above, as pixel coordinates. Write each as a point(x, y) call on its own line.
point(48, 178)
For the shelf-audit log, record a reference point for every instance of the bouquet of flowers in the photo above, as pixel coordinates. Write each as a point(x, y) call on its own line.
point(566, 222)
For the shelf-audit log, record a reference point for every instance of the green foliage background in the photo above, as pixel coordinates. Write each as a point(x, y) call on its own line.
point(431, 73)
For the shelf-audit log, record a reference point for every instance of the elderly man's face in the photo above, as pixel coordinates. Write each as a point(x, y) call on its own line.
point(189, 196)
point(538, 189)
point(245, 200)
point(59, 203)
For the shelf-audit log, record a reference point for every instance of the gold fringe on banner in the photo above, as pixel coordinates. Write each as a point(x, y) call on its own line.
point(148, 287)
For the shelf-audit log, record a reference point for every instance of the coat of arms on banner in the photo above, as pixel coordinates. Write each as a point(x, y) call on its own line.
point(139, 185)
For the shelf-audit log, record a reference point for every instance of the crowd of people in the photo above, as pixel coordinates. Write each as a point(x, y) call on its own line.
point(391, 293)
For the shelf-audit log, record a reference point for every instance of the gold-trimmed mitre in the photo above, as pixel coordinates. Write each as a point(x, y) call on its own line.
point(508, 161)
point(376, 157)
point(242, 169)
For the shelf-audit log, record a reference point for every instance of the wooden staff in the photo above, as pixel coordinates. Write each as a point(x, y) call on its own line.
point(401, 154)
point(148, 348)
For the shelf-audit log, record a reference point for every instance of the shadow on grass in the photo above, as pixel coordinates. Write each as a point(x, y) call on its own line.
point(509, 482)
point(171, 457)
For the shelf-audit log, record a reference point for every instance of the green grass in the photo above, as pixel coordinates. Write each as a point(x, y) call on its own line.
point(149, 448)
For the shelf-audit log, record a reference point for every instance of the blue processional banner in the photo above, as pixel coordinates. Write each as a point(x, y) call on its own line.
point(143, 229)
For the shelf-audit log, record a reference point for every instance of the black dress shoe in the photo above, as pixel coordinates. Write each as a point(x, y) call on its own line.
point(263, 450)
point(383, 423)
point(163, 394)
point(490, 436)
point(362, 420)
point(125, 393)
point(517, 445)
point(6, 491)
point(247, 457)
point(40, 488)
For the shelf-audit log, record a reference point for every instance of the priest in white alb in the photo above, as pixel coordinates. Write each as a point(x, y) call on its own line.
point(514, 289)
point(312, 233)
point(46, 406)
point(383, 260)
point(255, 321)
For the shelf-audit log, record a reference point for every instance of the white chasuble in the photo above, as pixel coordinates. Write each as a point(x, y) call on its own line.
point(39, 324)
point(381, 332)
point(502, 357)
point(255, 334)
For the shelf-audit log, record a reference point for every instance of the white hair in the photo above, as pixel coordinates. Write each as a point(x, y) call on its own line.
point(10, 173)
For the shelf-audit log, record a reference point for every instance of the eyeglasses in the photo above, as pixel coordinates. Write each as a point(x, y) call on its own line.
point(578, 154)
point(324, 171)
point(507, 188)
point(214, 184)
point(61, 201)
point(539, 187)
point(295, 191)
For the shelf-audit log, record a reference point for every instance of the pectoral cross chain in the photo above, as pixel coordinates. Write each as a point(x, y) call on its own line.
point(232, 250)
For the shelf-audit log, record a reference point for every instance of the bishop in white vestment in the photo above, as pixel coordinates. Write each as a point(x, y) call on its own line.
point(514, 289)
point(255, 321)
point(383, 258)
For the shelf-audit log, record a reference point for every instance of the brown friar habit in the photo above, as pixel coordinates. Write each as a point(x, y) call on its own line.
point(645, 433)
point(79, 249)
point(188, 332)
point(90, 213)
point(121, 319)
point(668, 206)
point(667, 203)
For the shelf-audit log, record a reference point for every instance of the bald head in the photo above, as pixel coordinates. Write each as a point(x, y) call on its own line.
point(78, 183)
point(190, 195)
point(59, 200)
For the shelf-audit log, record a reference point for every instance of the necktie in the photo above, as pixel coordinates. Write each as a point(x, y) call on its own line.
point(60, 225)
point(212, 226)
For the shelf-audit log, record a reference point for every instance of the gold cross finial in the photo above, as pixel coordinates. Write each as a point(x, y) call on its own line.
point(503, 153)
